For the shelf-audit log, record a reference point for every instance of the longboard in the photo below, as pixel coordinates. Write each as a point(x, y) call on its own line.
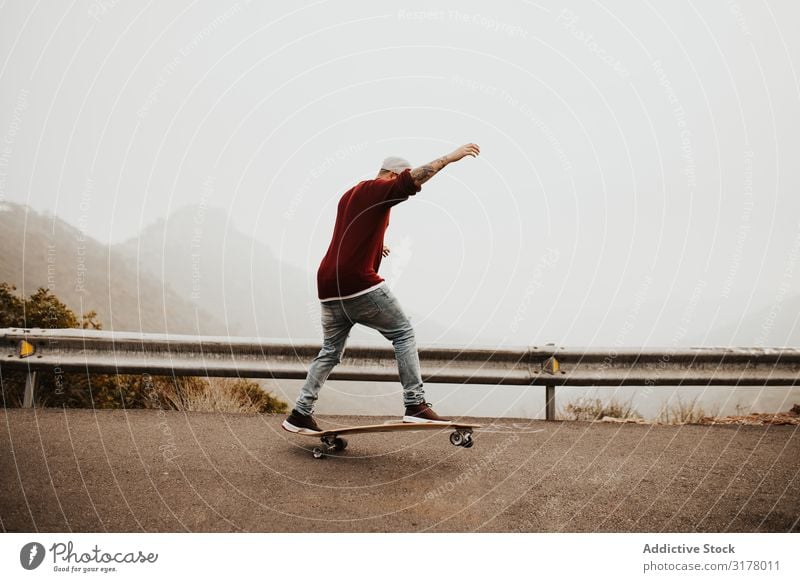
point(331, 440)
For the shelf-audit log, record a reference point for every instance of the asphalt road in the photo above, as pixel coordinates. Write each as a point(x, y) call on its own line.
point(85, 471)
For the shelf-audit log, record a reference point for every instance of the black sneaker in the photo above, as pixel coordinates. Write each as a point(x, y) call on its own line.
point(300, 423)
point(423, 413)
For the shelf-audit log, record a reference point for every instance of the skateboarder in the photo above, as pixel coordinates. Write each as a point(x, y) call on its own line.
point(351, 291)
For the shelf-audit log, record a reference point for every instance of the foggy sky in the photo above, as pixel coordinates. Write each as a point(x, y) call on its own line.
point(639, 160)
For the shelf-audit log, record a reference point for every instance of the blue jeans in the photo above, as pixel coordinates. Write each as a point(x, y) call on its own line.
point(380, 310)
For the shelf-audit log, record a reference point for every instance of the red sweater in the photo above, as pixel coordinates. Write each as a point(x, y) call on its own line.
point(354, 255)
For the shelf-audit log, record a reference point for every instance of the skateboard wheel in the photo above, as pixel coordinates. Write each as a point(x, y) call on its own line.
point(339, 444)
point(468, 444)
point(317, 452)
point(456, 438)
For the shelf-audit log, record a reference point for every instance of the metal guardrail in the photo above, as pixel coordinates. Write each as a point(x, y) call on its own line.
point(88, 351)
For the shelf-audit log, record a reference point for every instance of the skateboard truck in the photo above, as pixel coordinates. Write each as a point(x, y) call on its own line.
point(462, 437)
point(330, 443)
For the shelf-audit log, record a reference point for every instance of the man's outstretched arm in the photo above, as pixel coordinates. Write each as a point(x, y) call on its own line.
point(428, 171)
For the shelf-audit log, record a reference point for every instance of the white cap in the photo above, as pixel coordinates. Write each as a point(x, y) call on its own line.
point(395, 164)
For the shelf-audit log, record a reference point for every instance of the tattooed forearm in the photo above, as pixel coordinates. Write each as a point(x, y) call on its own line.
point(428, 171)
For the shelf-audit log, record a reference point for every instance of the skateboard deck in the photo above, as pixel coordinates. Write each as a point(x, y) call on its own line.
point(331, 440)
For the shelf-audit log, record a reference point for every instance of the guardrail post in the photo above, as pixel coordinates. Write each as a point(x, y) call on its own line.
point(31, 383)
point(550, 402)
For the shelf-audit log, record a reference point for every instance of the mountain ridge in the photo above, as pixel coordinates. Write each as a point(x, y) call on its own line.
point(88, 275)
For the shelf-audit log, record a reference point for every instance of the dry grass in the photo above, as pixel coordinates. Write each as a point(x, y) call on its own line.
point(595, 409)
point(681, 412)
point(217, 395)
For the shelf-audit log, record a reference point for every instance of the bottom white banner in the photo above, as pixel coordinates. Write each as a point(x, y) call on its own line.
point(354, 557)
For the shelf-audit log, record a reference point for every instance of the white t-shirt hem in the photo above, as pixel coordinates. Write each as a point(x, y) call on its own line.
point(354, 294)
